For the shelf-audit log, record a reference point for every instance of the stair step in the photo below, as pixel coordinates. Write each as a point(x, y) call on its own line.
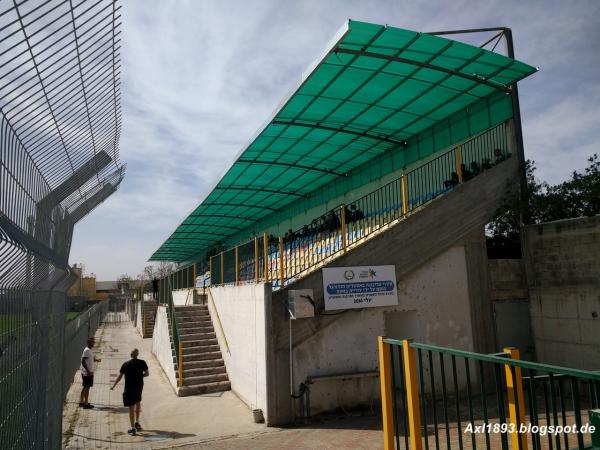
point(197, 335)
point(199, 343)
point(201, 364)
point(200, 349)
point(191, 308)
point(204, 379)
point(192, 314)
point(205, 356)
point(201, 371)
point(192, 324)
point(204, 388)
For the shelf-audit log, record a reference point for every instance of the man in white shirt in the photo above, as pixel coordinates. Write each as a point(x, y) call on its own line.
point(87, 373)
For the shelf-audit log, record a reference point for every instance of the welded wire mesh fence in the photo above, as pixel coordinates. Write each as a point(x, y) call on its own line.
point(60, 123)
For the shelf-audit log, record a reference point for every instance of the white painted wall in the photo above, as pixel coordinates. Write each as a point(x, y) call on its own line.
point(241, 310)
point(433, 307)
point(161, 345)
point(183, 297)
point(139, 320)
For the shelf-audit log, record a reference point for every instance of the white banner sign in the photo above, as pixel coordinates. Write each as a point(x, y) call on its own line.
point(359, 287)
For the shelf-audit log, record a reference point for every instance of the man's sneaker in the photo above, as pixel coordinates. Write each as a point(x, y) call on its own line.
point(81, 404)
point(131, 431)
point(138, 427)
point(88, 406)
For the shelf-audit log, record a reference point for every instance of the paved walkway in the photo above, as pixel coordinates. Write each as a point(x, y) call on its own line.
point(211, 421)
point(168, 420)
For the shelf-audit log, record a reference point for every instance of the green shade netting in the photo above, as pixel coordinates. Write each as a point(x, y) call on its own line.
point(374, 89)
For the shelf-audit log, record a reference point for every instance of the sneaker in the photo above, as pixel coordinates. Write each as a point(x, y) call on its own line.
point(81, 404)
point(138, 427)
point(88, 406)
point(131, 431)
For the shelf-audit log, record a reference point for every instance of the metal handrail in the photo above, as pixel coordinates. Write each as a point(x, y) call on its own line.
point(495, 358)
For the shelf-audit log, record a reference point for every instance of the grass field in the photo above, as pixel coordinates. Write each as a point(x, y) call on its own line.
point(72, 314)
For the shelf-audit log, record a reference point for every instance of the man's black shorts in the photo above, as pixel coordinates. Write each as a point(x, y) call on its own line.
point(88, 381)
point(130, 398)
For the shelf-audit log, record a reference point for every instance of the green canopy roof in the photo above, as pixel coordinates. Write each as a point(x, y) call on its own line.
point(374, 88)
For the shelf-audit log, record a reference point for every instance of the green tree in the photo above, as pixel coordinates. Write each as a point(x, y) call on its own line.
point(579, 196)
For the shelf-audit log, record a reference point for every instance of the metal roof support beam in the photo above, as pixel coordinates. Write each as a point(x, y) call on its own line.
point(270, 191)
point(224, 216)
point(472, 78)
point(298, 166)
point(241, 205)
point(229, 227)
point(340, 130)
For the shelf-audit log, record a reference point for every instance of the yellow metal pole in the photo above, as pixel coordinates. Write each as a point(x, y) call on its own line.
point(343, 214)
point(266, 256)
point(180, 363)
point(222, 270)
point(404, 196)
point(459, 164)
point(257, 269)
point(514, 390)
point(194, 278)
point(413, 405)
point(237, 271)
point(385, 379)
point(281, 268)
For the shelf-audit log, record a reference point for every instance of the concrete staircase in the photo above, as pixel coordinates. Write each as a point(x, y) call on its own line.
point(148, 319)
point(203, 366)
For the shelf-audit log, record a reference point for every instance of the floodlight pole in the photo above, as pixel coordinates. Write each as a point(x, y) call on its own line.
point(510, 50)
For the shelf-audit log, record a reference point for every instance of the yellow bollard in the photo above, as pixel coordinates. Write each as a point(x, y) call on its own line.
point(404, 196)
point(459, 164)
point(514, 390)
point(343, 215)
point(387, 408)
point(413, 404)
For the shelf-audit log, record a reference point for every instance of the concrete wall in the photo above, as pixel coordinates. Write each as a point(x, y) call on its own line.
point(441, 269)
point(433, 308)
point(563, 274)
point(507, 279)
point(183, 297)
point(161, 345)
point(139, 319)
point(242, 313)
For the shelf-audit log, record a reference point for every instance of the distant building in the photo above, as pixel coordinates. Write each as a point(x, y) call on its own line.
point(106, 288)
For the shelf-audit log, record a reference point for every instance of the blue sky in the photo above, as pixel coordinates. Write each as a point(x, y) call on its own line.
point(200, 77)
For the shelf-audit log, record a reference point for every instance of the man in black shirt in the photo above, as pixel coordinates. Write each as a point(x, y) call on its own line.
point(134, 370)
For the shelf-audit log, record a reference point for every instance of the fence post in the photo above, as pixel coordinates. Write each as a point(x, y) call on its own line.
point(514, 390)
point(459, 164)
point(281, 259)
point(222, 270)
point(385, 379)
point(210, 271)
point(266, 256)
point(237, 270)
point(404, 195)
point(413, 405)
point(257, 269)
point(343, 216)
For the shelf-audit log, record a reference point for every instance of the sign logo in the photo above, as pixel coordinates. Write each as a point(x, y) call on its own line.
point(349, 275)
